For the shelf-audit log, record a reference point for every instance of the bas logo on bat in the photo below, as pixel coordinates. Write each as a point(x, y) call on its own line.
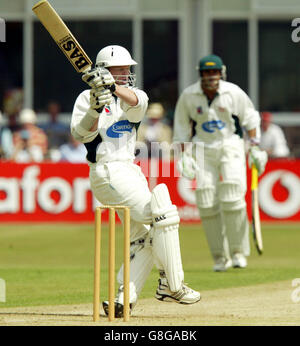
point(76, 56)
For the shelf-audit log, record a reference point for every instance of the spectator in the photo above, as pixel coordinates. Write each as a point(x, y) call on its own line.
point(73, 151)
point(272, 138)
point(25, 151)
point(12, 104)
point(56, 131)
point(154, 129)
point(33, 136)
point(5, 140)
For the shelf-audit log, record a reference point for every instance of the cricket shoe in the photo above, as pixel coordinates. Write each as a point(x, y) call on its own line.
point(119, 302)
point(222, 264)
point(239, 261)
point(184, 296)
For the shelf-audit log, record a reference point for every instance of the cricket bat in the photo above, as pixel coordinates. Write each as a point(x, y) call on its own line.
point(256, 228)
point(62, 36)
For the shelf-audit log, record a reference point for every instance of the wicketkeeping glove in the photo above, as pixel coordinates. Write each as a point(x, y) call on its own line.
point(186, 165)
point(99, 77)
point(100, 97)
point(257, 157)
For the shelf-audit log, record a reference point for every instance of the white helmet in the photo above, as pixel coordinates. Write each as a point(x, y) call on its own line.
point(117, 56)
point(114, 56)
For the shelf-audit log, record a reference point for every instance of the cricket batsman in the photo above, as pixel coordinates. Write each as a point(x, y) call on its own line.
point(217, 113)
point(106, 118)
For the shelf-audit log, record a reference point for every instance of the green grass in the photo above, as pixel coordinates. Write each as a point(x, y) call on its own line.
point(49, 264)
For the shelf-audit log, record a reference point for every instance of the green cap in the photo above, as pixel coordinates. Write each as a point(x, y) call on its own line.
point(210, 62)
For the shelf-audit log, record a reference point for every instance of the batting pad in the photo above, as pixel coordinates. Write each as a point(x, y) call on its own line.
point(206, 197)
point(237, 230)
point(165, 242)
point(231, 196)
point(140, 267)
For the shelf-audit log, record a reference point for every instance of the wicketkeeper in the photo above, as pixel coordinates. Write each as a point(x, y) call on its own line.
point(215, 112)
point(106, 118)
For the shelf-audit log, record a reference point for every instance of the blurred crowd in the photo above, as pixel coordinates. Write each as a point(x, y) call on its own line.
point(23, 138)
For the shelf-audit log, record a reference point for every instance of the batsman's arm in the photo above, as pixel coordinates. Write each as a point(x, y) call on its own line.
point(126, 95)
point(182, 121)
point(135, 112)
point(94, 126)
point(84, 123)
point(253, 137)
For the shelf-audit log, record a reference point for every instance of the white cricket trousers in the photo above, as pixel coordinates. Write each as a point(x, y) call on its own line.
point(123, 183)
point(220, 195)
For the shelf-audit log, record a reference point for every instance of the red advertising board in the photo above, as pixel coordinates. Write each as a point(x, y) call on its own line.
point(45, 192)
point(279, 192)
point(60, 192)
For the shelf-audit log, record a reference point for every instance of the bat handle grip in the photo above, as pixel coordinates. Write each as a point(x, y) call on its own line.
point(254, 178)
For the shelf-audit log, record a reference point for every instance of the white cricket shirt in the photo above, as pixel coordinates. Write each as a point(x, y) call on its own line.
point(117, 126)
point(214, 122)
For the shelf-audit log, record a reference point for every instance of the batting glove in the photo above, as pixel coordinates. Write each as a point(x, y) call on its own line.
point(99, 98)
point(99, 77)
point(186, 166)
point(258, 158)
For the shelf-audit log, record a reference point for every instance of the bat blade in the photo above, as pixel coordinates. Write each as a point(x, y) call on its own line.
point(256, 227)
point(62, 36)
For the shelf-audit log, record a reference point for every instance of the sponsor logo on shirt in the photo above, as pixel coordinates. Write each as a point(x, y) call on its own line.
point(119, 128)
point(107, 110)
point(213, 125)
point(199, 110)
